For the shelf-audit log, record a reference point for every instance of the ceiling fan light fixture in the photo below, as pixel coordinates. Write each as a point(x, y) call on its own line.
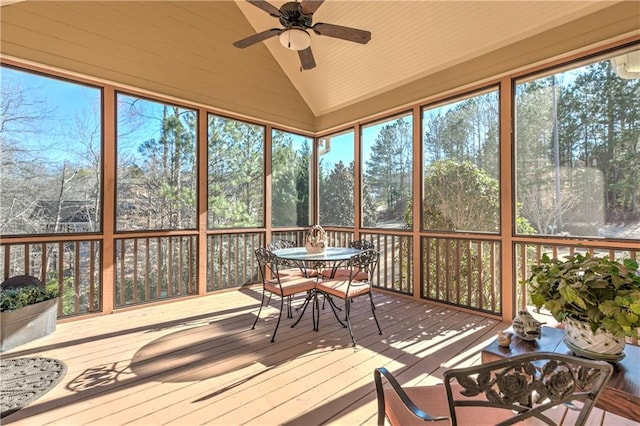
point(295, 39)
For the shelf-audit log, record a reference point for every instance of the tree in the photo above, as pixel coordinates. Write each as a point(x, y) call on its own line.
point(460, 197)
point(599, 121)
point(336, 192)
point(302, 185)
point(289, 181)
point(236, 173)
point(283, 181)
point(157, 189)
point(388, 172)
point(50, 157)
point(578, 150)
point(466, 130)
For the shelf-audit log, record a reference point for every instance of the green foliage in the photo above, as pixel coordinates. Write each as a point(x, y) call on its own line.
point(289, 180)
point(66, 293)
point(235, 173)
point(464, 130)
point(604, 292)
point(388, 172)
point(14, 299)
point(336, 194)
point(459, 196)
point(156, 184)
point(585, 171)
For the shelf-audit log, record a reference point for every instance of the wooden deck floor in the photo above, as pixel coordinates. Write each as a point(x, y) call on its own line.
point(198, 362)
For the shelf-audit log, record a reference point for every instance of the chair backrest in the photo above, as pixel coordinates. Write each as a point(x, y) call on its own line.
point(267, 264)
point(362, 245)
point(280, 244)
point(528, 385)
point(367, 261)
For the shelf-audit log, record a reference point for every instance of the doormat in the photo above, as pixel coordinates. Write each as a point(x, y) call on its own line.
point(26, 379)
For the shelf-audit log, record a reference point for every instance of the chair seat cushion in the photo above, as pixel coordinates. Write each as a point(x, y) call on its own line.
point(290, 285)
point(338, 288)
point(433, 400)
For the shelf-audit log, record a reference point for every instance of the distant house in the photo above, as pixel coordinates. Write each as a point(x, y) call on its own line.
point(69, 216)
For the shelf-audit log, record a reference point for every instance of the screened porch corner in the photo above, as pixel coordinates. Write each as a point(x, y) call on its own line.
point(197, 361)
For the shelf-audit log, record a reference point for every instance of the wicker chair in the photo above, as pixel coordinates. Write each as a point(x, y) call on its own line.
point(503, 392)
point(283, 286)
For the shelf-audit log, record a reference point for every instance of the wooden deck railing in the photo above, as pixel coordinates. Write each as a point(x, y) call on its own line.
point(462, 272)
point(71, 266)
point(457, 271)
point(154, 268)
point(230, 259)
point(395, 269)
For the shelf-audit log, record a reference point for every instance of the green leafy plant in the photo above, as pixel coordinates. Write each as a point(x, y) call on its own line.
point(14, 299)
point(603, 292)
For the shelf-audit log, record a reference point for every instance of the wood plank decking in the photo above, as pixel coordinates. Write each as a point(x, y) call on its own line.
point(198, 362)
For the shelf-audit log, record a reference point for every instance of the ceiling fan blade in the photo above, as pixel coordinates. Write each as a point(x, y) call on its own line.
point(267, 7)
point(306, 59)
point(308, 7)
point(246, 42)
point(345, 33)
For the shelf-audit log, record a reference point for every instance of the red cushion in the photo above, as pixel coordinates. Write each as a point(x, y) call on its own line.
point(290, 285)
point(433, 400)
point(338, 288)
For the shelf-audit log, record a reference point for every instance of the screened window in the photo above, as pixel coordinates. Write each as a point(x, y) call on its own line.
point(290, 190)
point(578, 149)
point(156, 158)
point(387, 164)
point(50, 140)
point(336, 179)
point(460, 143)
point(235, 173)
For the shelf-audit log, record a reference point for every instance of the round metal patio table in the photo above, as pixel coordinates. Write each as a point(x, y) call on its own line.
point(332, 257)
point(331, 254)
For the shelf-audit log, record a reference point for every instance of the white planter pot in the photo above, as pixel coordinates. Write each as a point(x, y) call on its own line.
point(27, 324)
point(599, 345)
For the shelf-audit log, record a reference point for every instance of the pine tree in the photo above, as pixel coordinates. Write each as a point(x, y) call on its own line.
point(388, 170)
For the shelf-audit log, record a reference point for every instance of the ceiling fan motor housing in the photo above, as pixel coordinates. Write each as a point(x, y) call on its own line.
point(292, 16)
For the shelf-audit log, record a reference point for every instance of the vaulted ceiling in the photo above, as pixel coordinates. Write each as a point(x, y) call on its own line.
point(184, 49)
point(410, 40)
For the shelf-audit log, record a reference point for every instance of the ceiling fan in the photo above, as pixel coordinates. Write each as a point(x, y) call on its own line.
point(296, 18)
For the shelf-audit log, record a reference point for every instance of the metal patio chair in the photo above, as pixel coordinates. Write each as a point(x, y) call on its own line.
point(359, 283)
point(343, 271)
point(279, 285)
point(503, 392)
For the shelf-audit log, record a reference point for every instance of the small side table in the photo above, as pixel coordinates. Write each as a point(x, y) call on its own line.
point(621, 395)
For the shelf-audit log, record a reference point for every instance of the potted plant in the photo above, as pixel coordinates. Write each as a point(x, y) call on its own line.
point(27, 312)
point(598, 300)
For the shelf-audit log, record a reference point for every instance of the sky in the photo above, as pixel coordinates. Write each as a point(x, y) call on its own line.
point(66, 106)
